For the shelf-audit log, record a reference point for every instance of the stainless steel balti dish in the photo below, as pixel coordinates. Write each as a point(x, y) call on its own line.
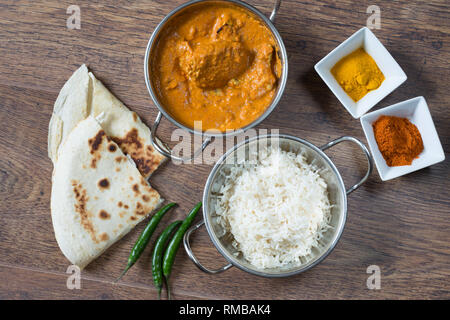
point(163, 112)
point(336, 191)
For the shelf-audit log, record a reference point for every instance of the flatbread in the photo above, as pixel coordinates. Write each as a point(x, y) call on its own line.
point(98, 195)
point(71, 106)
point(83, 95)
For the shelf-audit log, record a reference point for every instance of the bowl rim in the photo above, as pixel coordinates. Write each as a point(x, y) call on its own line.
point(215, 240)
point(269, 109)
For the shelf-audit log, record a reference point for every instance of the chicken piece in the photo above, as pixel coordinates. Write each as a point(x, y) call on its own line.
point(211, 63)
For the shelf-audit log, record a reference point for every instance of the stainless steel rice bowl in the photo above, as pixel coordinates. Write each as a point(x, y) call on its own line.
point(336, 191)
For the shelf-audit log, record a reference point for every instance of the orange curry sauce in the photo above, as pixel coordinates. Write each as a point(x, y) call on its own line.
point(216, 63)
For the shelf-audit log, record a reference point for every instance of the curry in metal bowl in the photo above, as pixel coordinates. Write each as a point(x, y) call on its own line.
point(216, 63)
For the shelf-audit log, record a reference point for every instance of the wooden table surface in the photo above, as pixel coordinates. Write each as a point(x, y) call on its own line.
point(401, 225)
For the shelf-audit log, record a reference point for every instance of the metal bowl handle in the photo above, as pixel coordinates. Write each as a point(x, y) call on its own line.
point(191, 255)
point(363, 148)
point(158, 145)
point(275, 10)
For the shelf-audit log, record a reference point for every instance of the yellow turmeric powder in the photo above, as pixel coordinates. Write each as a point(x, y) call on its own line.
point(357, 73)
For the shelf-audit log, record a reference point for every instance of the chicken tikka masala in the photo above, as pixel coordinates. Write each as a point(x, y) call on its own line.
point(216, 63)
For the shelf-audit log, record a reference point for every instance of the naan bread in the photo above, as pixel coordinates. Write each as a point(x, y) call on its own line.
point(98, 195)
point(83, 95)
point(71, 106)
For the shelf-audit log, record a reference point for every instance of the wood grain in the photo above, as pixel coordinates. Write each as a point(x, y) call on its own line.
point(400, 225)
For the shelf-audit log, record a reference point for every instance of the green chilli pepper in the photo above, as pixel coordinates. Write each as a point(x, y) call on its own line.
point(144, 238)
point(157, 256)
point(174, 244)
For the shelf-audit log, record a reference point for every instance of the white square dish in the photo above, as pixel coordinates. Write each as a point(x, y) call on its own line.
point(416, 110)
point(393, 73)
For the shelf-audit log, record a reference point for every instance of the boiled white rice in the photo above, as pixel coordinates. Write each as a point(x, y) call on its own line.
point(276, 210)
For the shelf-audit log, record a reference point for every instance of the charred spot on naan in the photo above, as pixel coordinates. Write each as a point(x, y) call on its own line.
point(112, 147)
point(104, 215)
point(140, 210)
point(94, 146)
point(94, 162)
point(103, 184)
point(148, 189)
point(81, 200)
point(143, 155)
point(95, 142)
point(130, 142)
point(120, 204)
point(120, 159)
point(104, 237)
point(136, 188)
